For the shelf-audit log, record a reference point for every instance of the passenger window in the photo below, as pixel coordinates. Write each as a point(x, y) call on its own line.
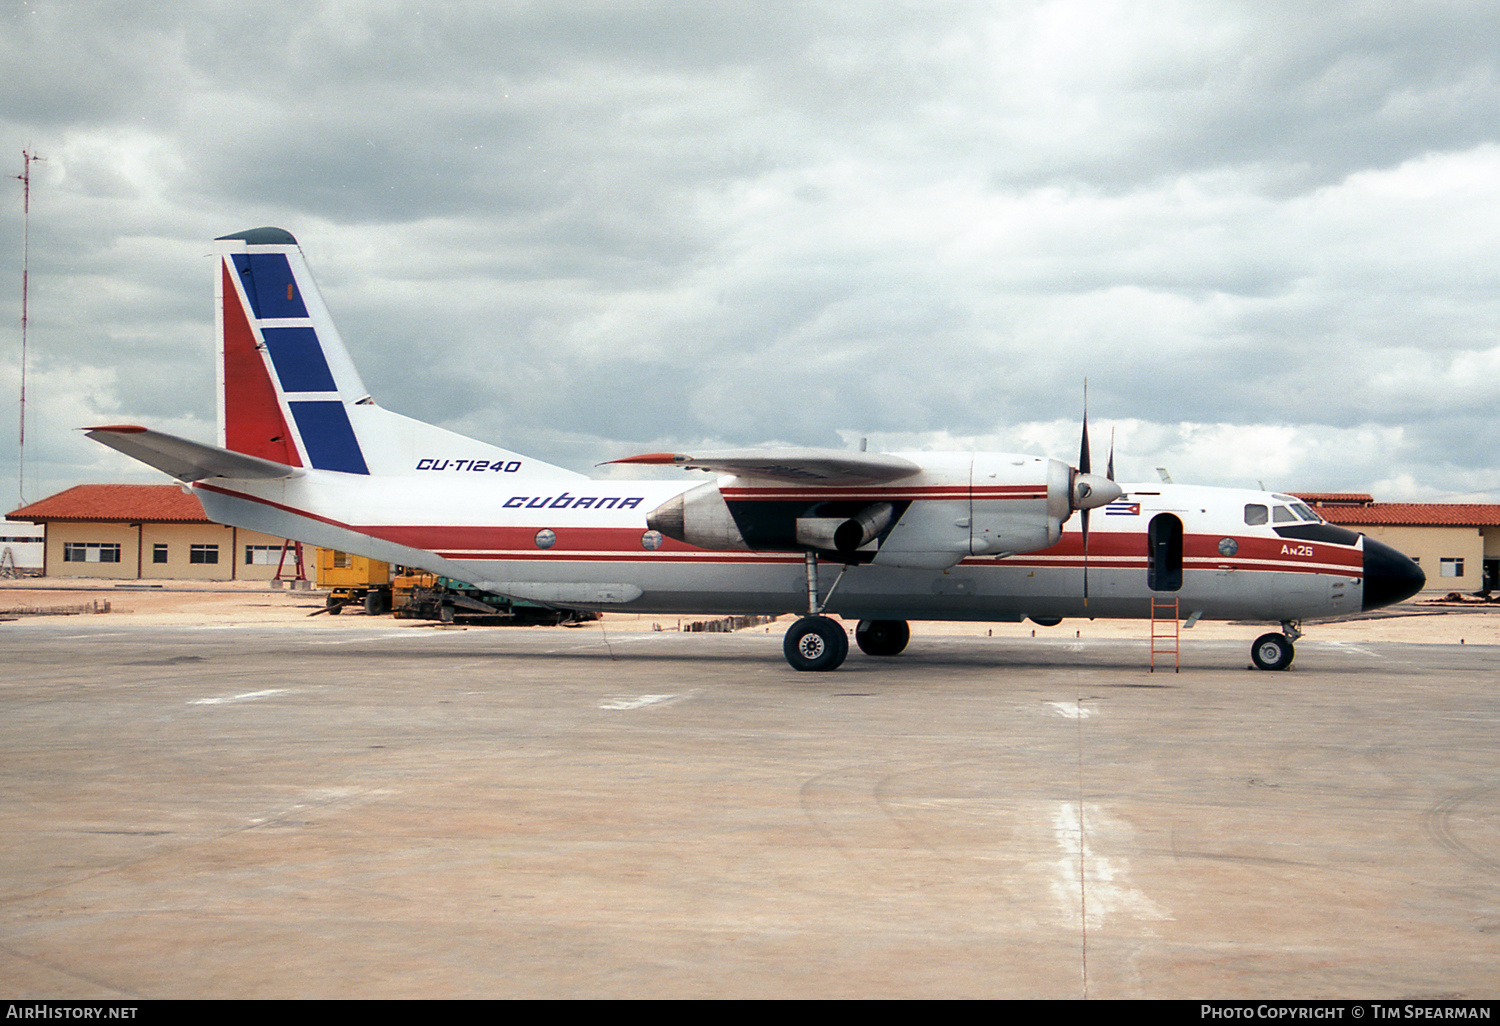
point(1255, 514)
point(1282, 515)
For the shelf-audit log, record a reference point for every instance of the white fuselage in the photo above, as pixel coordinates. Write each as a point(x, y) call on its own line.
point(585, 544)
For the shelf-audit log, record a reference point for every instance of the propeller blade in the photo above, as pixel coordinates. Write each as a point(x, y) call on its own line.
point(1085, 557)
point(1084, 461)
point(1109, 470)
point(1085, 466)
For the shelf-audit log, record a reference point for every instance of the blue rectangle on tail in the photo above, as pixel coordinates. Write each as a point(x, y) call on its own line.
point(328, 436)
point(269, 285)
point(299, 361)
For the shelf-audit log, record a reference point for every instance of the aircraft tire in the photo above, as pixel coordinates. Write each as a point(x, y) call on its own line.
point(1272, 652)
point(815, 643)
point(882, 637)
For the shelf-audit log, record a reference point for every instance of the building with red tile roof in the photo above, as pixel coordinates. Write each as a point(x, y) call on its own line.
point(115, 503)
point(144, 532)
point(1457, 544)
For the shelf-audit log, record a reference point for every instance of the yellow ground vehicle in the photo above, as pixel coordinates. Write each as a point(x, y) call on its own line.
point(354, 579)
point(382, 588)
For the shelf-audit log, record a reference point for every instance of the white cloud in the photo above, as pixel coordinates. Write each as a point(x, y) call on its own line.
point(1261, 231)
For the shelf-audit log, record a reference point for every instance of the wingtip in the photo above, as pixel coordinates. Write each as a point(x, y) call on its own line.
point(651, 458)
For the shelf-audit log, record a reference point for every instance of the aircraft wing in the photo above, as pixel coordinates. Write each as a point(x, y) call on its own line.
point(185, 460)
point(796, 466)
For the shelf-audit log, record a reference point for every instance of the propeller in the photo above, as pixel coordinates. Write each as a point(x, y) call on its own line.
point(1089, 490)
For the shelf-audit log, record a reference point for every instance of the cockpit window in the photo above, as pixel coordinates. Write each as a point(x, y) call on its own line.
point(1306, 514)
point(1255, 514)
point(1282, 515)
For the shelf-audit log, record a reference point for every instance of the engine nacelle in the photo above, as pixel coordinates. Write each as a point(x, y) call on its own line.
point(984, 504)
point(699, 516)
point(959, 505)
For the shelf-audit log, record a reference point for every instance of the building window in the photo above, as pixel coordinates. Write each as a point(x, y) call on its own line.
point(158, 553)
point(1448, 566)
point(340, 560)
point(203, 554)
point(262, 555)
point(90, 552)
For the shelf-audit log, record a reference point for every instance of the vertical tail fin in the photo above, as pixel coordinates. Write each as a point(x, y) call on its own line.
point(268, 311)
point(288, 391)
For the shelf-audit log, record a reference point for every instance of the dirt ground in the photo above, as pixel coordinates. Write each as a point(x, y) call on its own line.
point(254, 602)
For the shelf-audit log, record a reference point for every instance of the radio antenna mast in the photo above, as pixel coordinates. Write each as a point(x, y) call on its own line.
point(25, 179)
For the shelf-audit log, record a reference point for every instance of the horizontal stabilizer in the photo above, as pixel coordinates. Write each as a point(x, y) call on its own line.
point(795, 466)
point(185, 460)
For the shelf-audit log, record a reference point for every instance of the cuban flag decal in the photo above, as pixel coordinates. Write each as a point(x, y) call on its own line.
point(1121, 508)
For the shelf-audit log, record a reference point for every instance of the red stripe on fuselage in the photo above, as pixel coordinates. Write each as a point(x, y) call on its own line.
point(1111, 550)
point(868, 494)
point(1116, 549)
point(485, 538)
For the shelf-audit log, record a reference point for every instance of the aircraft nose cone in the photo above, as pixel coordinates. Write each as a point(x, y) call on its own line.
point(1390, 576)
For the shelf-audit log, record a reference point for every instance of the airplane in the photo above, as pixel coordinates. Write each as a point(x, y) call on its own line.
point(304, 452)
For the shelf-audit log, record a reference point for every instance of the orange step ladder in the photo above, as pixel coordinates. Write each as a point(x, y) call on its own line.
point(1166, 636)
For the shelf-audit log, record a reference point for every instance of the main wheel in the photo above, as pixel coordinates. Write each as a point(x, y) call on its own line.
point(815, 643)
point(882, 637)
point(1272, 651)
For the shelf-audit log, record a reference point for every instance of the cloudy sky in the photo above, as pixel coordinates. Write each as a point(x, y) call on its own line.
point(1265, 231)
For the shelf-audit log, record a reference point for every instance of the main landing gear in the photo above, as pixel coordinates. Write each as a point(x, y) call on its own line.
point(820, 643)
point(1276, 651)
point(817, 643)
point(882, 637)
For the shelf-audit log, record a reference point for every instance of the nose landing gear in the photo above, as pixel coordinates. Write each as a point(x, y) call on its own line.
point(1276, 651)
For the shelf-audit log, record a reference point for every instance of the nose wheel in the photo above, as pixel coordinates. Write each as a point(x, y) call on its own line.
point(1272, 652)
